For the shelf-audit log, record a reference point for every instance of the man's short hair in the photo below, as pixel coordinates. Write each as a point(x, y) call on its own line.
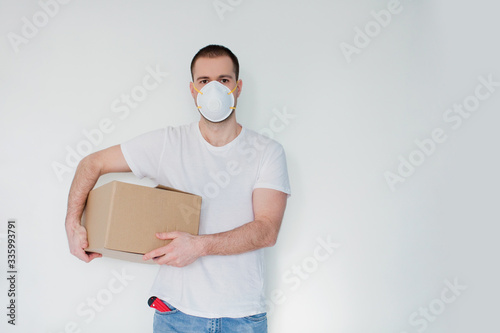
point(214, 51)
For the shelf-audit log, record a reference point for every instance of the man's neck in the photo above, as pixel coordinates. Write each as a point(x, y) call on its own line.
point(220, 134)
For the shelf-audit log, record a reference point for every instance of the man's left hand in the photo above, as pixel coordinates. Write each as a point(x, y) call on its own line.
point(181, 251)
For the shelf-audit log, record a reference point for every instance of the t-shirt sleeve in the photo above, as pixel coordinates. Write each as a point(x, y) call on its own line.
point(273, 173)
point(143, 154)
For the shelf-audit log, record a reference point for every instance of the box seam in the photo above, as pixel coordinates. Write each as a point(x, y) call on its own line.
point(110, 214)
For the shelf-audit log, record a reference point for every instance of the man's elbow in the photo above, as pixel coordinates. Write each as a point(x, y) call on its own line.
point(91, 162)
point(270, 239)
point(269, 232)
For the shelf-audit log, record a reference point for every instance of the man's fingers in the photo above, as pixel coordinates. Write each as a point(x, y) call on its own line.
point(78, 242)
point(80, 254)
point(87, 256)
point(153, 254)
point(167, 235)
point(93, 255)
point(159, 253)
point(158, 260)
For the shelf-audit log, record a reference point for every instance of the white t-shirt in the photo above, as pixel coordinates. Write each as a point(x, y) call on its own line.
point(225, 177)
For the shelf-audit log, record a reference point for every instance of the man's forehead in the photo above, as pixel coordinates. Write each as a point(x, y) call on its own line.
point(213, 67)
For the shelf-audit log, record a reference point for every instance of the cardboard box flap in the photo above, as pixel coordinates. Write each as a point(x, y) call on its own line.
point(162, 187)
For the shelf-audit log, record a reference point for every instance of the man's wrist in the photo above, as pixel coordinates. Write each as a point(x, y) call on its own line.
point(203, 245)
point(72, 223)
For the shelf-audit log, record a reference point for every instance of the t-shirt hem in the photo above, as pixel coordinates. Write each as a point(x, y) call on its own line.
point(204, 314)
point(287, 191)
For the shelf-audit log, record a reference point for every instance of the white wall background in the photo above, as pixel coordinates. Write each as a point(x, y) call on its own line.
point(352, 121)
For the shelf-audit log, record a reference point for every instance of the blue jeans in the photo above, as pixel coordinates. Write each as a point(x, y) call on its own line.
point(177, 321)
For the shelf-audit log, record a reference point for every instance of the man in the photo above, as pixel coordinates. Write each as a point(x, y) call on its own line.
point(213, 282)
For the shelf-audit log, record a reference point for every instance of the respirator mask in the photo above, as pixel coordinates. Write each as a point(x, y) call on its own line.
point(215, 101)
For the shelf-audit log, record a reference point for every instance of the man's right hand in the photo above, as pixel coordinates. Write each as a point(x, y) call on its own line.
point(78, 242)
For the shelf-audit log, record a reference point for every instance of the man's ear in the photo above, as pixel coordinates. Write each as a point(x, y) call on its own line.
point(193, 92)
point(240, 85)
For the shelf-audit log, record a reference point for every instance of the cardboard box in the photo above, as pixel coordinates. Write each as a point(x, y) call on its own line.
point(121, 219)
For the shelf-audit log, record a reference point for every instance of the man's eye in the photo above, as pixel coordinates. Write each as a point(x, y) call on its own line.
point(224, 80)
point(204, 81)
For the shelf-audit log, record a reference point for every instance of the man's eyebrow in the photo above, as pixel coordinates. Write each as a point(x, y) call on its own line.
point(223, 76)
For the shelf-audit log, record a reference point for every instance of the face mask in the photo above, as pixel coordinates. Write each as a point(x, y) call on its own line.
point(215, 101)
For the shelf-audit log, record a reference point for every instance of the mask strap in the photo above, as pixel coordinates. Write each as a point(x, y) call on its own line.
point(229, 93)
point(196, 89)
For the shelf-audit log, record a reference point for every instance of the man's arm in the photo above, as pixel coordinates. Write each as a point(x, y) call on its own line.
point(269, 207)
point(87, 173)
